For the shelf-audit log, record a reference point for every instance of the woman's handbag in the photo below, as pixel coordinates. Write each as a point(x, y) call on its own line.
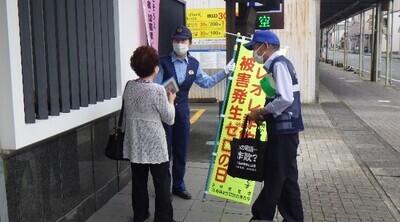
point(115, 143)
point(247, 156)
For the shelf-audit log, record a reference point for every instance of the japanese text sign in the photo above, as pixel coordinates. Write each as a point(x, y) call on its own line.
point(206, 23)
point(151, 9)
point(245, 94)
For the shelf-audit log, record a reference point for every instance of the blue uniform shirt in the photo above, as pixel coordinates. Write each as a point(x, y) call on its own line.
point(202, 78)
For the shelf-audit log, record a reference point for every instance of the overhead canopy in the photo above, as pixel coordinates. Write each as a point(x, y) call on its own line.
point(334, 11)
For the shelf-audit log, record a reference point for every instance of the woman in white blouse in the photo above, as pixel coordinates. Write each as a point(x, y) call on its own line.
point(146, 106)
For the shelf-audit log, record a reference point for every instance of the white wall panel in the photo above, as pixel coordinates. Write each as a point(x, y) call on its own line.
point(14, 132)
point(131, 33)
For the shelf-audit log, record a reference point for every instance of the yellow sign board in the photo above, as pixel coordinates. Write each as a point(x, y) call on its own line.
point(206, 23)
point(245, 94)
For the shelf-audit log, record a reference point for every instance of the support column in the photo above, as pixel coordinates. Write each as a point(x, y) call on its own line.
point(345, 45)
point(389, 44)
point(375, 43)
point(230, 27)
point(361, 45)
point(321, 45)
point(334, 44)
point(379, 20)
point(326, 45)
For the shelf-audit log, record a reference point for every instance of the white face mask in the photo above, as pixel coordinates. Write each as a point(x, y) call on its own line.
point(258, 58)
point(180, 48)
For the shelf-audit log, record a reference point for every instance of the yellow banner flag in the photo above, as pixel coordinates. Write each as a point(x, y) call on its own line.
point(245, 94)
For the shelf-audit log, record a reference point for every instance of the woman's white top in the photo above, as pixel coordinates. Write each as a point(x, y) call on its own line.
point(146, 106)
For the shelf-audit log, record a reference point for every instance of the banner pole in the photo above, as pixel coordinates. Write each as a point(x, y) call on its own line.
point(221, 117)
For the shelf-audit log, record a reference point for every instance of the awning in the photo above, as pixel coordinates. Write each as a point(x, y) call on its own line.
point(334, 11)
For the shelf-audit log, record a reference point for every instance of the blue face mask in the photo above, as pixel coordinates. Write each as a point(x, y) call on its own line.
point(258, 58)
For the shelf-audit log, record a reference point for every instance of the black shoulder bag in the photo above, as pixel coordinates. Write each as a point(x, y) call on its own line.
point(247, 156)
point(115, 143)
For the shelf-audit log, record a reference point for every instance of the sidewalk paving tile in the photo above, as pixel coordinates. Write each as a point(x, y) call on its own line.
point(348, 162)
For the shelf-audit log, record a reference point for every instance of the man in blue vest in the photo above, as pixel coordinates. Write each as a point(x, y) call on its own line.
point(186, 70)
point(284, 122)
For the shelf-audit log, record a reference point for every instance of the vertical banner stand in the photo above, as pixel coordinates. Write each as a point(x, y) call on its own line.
point(221, 117)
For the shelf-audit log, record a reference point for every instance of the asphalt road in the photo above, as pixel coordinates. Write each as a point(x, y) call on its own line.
point(353, 60)
point(203, 131)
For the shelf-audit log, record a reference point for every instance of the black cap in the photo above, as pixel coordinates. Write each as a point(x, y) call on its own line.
point(181, 32)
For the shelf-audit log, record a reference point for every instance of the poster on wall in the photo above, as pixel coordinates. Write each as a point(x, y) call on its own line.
point(151, 10)
point(207, 25)
point(210, 59)
point(209, 37)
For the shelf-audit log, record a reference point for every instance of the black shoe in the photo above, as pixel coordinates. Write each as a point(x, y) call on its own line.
point(182, 194)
